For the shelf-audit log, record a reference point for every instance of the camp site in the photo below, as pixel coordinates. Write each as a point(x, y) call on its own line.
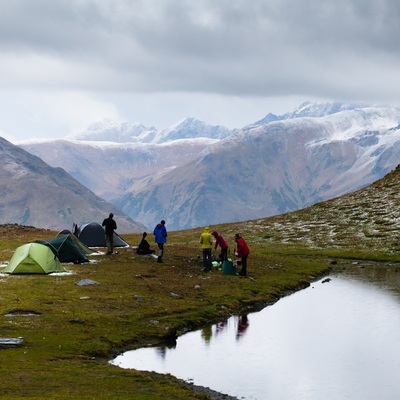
point(46, 256)
point(72, 330)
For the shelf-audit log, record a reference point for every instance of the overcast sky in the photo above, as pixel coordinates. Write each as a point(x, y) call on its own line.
point(67, 63)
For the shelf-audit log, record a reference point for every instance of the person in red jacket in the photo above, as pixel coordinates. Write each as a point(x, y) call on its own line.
point(242, 250)
point(222, 243)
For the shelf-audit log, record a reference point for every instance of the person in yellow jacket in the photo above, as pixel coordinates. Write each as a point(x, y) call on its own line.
point(206, 241)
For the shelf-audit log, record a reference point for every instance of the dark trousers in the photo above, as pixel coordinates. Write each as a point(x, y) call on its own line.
point(224, 255)
point(110, 242)
point(207, 259)
point(243, 271)
point(160, 251)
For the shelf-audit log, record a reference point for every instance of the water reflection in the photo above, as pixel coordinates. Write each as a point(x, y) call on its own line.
point(162, 350)
point(243, 324)
point(206, 333)
point(335, 340)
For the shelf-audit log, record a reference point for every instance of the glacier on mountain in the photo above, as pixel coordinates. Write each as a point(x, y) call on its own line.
point(193, 174)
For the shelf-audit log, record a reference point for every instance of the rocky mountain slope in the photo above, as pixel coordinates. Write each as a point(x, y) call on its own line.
point(276, 165)
point(273, 169)
point(35, 194)
point(109, 169)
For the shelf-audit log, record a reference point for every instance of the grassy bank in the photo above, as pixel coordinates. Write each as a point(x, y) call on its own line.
point(70, 331)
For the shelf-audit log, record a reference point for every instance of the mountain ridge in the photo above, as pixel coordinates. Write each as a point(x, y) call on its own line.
point(111, 131)
point(276, 168)
point(260, 170)
point(309, 109)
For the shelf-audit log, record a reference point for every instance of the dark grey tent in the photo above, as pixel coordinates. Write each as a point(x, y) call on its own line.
point(64, 232)
point(92, 235)
point(82, 247)
point(65, 249)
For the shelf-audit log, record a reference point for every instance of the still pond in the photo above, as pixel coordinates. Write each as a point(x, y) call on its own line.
point(338, 339)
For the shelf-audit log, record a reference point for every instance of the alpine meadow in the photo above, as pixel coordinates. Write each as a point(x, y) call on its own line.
point(72, 331)
point(314, 192)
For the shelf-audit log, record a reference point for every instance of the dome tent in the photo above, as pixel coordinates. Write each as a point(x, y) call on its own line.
point(82, 247)
point(33, 258)
point(92, 235)
point(65, 249)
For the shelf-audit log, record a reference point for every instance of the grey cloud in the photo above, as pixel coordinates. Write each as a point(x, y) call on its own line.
point(234, 47)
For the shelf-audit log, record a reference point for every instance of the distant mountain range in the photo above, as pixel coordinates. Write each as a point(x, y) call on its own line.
point(35, 194)
point(194, 174)
point(308, 109)
point(111, 131)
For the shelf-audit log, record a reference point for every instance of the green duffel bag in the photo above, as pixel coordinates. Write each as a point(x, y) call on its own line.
point(228, 268)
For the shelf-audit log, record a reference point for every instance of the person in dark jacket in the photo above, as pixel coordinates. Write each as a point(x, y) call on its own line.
point(222, 243)
point(109, 226)
point(144, 246)
point(242, 250)
point(160, 233)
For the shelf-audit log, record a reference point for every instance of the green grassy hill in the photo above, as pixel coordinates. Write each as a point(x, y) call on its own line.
point(363, 222)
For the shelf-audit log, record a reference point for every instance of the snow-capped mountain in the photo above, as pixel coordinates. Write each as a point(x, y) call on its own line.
point(287, 162)
point(111, 131)
point(308, 109)
point(273, 169)
point(192, 128)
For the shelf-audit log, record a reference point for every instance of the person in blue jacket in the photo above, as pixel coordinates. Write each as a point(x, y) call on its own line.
point(160, 233)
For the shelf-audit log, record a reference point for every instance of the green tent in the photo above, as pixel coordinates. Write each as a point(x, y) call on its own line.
point(82, 247)
point(65, 249)
point(33, 258)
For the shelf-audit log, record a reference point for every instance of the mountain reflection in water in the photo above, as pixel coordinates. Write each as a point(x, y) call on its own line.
point(334, 340)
